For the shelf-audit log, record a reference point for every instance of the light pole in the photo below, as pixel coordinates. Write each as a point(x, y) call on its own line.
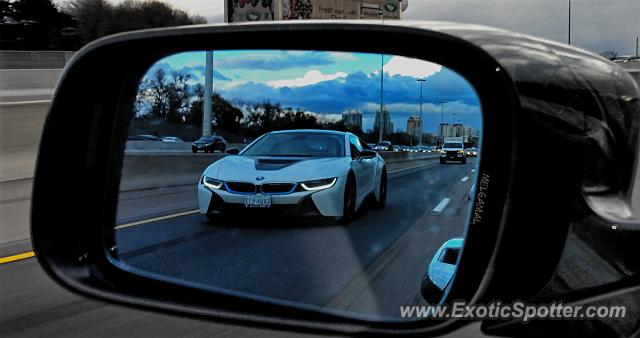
point(380, 122)
point(421, 126)
point(208, 93)
point(569, 28)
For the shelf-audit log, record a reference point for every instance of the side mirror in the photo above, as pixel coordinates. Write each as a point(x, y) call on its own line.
point(233, 151)
point(441, 270)
point(123, 258)
point(368, 153)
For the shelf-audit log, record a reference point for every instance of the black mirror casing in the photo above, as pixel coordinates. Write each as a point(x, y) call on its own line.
point(368, 153)
point(78, 251)
point(233, 151)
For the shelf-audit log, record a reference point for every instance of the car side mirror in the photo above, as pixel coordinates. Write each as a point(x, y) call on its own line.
point(368, 153)
point(527, 100)
point(441, 271)
point(233, 151)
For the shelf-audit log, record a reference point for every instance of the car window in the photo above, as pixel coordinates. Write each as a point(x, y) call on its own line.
point(356, 147)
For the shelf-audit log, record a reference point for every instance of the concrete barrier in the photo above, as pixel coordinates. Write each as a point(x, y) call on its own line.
point(141, 147)
point(34, 59)
point(20, 131)
point(28, 84)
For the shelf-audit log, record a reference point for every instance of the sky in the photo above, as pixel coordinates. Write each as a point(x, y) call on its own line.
point(328, 83)
point(597, 25)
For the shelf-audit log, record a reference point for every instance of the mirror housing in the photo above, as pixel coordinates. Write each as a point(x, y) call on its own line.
point(511, 73)
point(368, 153)
point(233, 151)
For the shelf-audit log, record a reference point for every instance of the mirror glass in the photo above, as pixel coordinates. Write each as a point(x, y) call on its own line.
point(319, 179)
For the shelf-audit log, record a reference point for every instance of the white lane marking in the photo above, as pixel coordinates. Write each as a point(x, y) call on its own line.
point(403, 169)
point(122, 226)
point(464, 179)
point(443, 204)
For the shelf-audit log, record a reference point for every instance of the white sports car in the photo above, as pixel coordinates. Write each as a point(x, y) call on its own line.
point(297, 172)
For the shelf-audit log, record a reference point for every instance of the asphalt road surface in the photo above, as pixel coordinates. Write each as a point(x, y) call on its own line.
point(394, 240)
point(307, 260)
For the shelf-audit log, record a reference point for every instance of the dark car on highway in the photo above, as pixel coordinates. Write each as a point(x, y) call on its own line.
point(209, 144)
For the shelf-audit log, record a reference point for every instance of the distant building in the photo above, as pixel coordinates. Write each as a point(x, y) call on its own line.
point(414, 127)
point(352, 118)
point(456, 130)
point(383, 119)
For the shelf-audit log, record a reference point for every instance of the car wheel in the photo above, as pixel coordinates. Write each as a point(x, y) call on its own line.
point(382, 199)
point(464, 161)
point(194, 150)
point(223, 149)
point(349, 202)
point(443, 161)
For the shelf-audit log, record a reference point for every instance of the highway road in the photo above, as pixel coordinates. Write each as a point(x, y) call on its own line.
point(304, 260)
point(31, 304)
point(159, 222)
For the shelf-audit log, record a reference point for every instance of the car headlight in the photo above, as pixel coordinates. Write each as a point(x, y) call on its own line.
point(319, 184)
point(211, 183)
point(443, 151)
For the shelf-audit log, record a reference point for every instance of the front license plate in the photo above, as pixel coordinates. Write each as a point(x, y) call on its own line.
point(257, 201)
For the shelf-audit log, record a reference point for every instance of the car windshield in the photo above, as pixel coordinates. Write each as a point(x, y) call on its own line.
point(298, 144)
point(452, 145)
point(206, 139)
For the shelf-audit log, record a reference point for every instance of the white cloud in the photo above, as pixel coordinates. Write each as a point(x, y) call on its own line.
point(311, 77)
point(399, 65)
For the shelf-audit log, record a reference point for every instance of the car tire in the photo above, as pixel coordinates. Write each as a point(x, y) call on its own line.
point(464, 161)
point(349, 201)
point(194, 150)
point(223, 149)
point(443, 161)
point(382, 199)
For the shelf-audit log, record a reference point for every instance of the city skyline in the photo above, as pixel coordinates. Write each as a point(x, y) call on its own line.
point(328, 83)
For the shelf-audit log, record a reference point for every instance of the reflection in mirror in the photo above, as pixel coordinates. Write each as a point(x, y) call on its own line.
point(321, 179)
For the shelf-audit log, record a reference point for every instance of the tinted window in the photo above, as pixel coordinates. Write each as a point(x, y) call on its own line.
point(452, 145)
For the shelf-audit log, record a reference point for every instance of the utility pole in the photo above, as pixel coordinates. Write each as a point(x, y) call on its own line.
point(569, 28)
point(208, 94)
point(637, 55)
point(421, 126)
point(380, 121)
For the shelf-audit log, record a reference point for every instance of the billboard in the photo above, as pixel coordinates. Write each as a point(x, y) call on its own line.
point(376, 9)
point(261, 10)
point(249, 10)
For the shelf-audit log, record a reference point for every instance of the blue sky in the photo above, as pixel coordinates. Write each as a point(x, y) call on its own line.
point(328, 83)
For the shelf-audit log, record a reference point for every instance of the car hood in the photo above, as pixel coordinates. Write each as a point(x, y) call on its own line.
point(276, 169)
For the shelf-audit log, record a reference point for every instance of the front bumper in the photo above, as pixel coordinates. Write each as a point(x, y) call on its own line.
point(327, 202)
point(452, 156)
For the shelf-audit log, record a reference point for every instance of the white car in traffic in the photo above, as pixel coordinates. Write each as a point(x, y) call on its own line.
point(297, 172)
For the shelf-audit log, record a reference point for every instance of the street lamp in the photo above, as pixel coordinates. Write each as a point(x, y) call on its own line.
point(380, 122)
point(421, 126)
point(569, 28)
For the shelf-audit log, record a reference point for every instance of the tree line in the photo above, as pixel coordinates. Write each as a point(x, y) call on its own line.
point(41, 25)
point(167, 95)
